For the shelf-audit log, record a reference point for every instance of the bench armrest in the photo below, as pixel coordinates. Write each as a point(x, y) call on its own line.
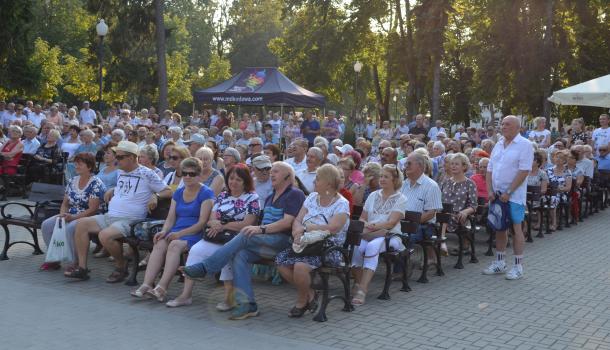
point(29, 208)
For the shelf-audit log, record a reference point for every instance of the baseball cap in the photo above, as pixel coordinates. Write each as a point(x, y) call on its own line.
point(345, 148)
point(261, 162)
point(127, 146)
point(196, 138)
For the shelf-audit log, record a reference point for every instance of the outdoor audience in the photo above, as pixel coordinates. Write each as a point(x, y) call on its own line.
point(250, 187)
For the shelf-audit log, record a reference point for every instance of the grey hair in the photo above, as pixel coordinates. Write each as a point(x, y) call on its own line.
point(336, 142)
point(175, 129)
point(486, 141)
point(439, 145)
point(257, 139)
point(227, 132)
point(31, 128)
point(16, 128)
point(317, 152)
point(88, 132)
point(319, 140)
point(119, 132)
point(151, 152)
point(233, 152)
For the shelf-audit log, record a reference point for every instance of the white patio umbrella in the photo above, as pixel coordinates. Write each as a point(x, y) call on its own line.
point(594, 93)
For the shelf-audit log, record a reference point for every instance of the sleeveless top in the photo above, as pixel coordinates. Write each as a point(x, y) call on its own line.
point(13, 162)
point(210, 179)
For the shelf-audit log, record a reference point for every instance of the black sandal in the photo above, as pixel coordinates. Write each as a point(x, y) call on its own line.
point(78, 273)
point(300, 311)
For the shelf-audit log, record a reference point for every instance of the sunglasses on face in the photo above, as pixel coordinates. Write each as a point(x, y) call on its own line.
point(254, 145)
point(121, 156)
point(263, 169)
point(174, 157)
point(189, 174)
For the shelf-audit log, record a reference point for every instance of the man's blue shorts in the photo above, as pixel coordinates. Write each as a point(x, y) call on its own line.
point(517, 212)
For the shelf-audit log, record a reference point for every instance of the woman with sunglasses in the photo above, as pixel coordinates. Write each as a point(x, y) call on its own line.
point(217, 162)
point(233, 209)
point(381, 214)
point(174, 179)
point(188, 214)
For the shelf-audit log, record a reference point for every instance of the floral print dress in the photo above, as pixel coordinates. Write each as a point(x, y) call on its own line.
point(558, 181)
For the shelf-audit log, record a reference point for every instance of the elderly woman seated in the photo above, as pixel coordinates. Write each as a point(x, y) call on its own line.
point(323, 210)
point(149, 156)
point(233, 209)
point(381, 214)
point(84, 194)
point(188, 213)
point(460, 192)
point(560, 179)
point(307, 176)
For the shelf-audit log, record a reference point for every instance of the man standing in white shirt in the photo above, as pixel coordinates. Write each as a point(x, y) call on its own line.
point(432, 134)
point(601, 135)
point(86, 115)
point(401, 129)
point(37, 116)
point(509, 165)
point(299, 159)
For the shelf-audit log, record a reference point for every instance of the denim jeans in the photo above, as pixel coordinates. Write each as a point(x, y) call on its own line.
point(242, 251)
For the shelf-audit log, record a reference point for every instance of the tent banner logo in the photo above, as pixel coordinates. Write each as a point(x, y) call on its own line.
point(250, 81)
point(235, 99)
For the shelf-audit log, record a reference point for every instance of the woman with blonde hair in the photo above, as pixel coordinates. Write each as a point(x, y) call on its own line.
point(381, 214)
point(210, 176)
point(323, 210)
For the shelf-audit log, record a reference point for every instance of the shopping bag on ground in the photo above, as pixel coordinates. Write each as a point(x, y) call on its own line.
point(59, 250)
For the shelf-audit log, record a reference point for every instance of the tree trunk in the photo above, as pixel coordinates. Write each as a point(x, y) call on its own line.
point(436, 89)
point(161, 64)
point(548, 58)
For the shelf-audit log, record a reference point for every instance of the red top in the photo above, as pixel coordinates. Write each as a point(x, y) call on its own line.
point(479, 181)
point(348, 195)
point(13, 162)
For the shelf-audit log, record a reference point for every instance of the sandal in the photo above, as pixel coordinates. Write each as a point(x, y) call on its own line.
point(118, 275)
point(300, 311)
point(78, 273)
point(359, 298)
point(48, 266)
point(158, 293)
point(444, 250)
point(141, 292)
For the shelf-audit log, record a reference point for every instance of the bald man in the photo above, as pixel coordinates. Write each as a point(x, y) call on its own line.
point(256, 242)
point(510, 163)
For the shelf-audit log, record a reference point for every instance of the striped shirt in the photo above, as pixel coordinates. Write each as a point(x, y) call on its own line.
point(425, 195)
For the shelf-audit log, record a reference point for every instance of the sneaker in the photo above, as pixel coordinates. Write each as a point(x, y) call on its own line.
point(495, 268)
point(223, 306)
point(514, 274)
point(243, 311)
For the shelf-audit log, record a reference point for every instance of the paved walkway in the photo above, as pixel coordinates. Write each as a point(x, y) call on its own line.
point(562, 303)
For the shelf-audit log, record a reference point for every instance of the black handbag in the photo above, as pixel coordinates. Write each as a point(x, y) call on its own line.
point(221, 238)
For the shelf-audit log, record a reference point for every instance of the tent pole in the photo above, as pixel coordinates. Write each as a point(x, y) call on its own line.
point(281, 122)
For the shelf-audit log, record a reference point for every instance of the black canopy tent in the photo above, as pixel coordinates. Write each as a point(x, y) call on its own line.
point(259, 86)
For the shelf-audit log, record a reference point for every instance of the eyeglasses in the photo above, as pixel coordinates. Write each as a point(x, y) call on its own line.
point(121, 156)
point(254, 144)
point(263, 169)
point(603, 150)
point(189, 174)
point(174, 157)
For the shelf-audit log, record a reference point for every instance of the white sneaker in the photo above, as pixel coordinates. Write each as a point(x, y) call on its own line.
point(223, 306)
point(495, 268)
point(514, 274)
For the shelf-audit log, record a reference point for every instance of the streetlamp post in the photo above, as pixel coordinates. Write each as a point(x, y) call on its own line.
point(102, 29)
point(357, 69)
point(396, 93)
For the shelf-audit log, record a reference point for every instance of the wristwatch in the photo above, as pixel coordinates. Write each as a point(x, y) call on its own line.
point(509, 192)
point(263, 229)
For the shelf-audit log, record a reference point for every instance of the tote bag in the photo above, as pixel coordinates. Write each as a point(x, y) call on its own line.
point(58, 250)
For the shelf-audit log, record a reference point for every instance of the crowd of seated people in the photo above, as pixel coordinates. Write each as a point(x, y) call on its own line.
point(245, 188)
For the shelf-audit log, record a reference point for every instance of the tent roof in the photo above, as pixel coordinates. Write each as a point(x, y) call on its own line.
point(594, 93)
point(259, 86)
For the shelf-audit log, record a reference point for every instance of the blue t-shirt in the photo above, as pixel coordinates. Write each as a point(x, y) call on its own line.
point(603, 163)
point(289, 202)
point(187, 213)
point(313, 126)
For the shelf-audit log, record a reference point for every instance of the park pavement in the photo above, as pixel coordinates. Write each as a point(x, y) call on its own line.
point(562, 303)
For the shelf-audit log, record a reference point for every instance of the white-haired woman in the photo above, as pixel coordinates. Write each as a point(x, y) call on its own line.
point(323, 210)
point(176, 135)
point(307, 176)
point(11, 151)
point(71, 116)
point(459, 191)
point(381, 214)
point(210, 176)
point(540, 135)
point(148, 157)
